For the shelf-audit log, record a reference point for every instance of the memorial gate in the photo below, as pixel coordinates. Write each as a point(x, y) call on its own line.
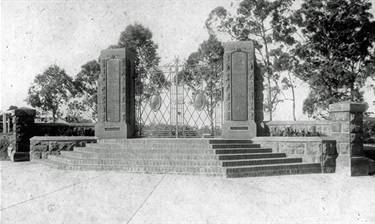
point(178, 100)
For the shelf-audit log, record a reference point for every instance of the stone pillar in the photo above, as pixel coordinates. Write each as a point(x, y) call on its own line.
point(23, 130)
point(116, 94)
point(346, 127)
point(240, 98)
point(9, 122)
point(4, 123)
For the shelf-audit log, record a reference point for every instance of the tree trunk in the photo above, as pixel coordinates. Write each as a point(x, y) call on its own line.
point(270, 106)
point(293, 97)
point(352, 92)
point(54, 116)
point(269, 72)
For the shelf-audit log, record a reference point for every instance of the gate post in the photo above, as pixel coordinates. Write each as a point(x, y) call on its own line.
point(116, 94)
point(346, 128)
point(239, 94)
point(176, 97)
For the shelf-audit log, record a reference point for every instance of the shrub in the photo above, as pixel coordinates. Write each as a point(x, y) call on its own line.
point(4, 143)
point(369, 131)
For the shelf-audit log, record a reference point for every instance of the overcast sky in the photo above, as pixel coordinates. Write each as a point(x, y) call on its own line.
point(37, 34)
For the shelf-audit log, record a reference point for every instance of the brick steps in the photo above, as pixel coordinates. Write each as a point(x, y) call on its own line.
point(214, 157)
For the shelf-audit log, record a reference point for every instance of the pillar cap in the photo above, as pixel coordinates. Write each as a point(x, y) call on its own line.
point(23, 111)
point(238, 45)
point(347, 107)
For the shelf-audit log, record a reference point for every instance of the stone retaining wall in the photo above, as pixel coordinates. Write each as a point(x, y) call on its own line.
point(310, 149)
point(42, 146)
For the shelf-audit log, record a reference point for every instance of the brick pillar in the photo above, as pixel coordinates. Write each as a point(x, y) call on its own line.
point(23, 130)
point(346, 127)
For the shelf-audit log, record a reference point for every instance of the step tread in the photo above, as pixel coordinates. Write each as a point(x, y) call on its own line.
point(261, 159)
point(211, 162)
point(224, 146)
point(214, 159)
point(120, 153)
point(275, 165)
point(50, 162)
point(243, 148)
point(255, 154)
point(225, 141)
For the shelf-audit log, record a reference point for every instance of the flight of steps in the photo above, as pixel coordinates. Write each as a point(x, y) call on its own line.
point(211, 157)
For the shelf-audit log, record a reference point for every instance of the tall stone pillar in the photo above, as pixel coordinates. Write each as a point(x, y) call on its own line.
point(241, 102)
point(116, 94)
point(346, 127)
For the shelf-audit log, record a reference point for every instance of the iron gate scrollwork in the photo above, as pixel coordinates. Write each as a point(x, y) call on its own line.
point(179, 101)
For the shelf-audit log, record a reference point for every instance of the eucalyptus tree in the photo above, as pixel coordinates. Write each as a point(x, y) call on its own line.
point(266, 23)
point(337, 54)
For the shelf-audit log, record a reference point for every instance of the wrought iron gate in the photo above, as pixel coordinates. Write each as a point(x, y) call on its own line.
point(179, 101)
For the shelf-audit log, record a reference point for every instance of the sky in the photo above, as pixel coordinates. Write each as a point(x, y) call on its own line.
point(37, 34)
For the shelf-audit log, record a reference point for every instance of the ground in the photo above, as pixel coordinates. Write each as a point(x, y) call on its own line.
point(33, 193)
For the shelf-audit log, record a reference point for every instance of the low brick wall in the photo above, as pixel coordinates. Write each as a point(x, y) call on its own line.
point(279, 128)
point(310, 149)
point(42, 146)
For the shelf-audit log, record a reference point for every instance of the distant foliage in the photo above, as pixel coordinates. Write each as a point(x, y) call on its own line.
point(369, 132)
point(166, 130)
point(293, 132)
point(85, 102)
point(50, 90)
point(64, 130)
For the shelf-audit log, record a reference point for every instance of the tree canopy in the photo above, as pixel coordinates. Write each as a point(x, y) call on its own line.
point(264, 22)
point(337, 54)
point(138, 39)
point(86, 87)
point(50, 90)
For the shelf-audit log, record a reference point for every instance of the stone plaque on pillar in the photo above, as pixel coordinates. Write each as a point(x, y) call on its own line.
point(116, 94)
point(239, 92)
